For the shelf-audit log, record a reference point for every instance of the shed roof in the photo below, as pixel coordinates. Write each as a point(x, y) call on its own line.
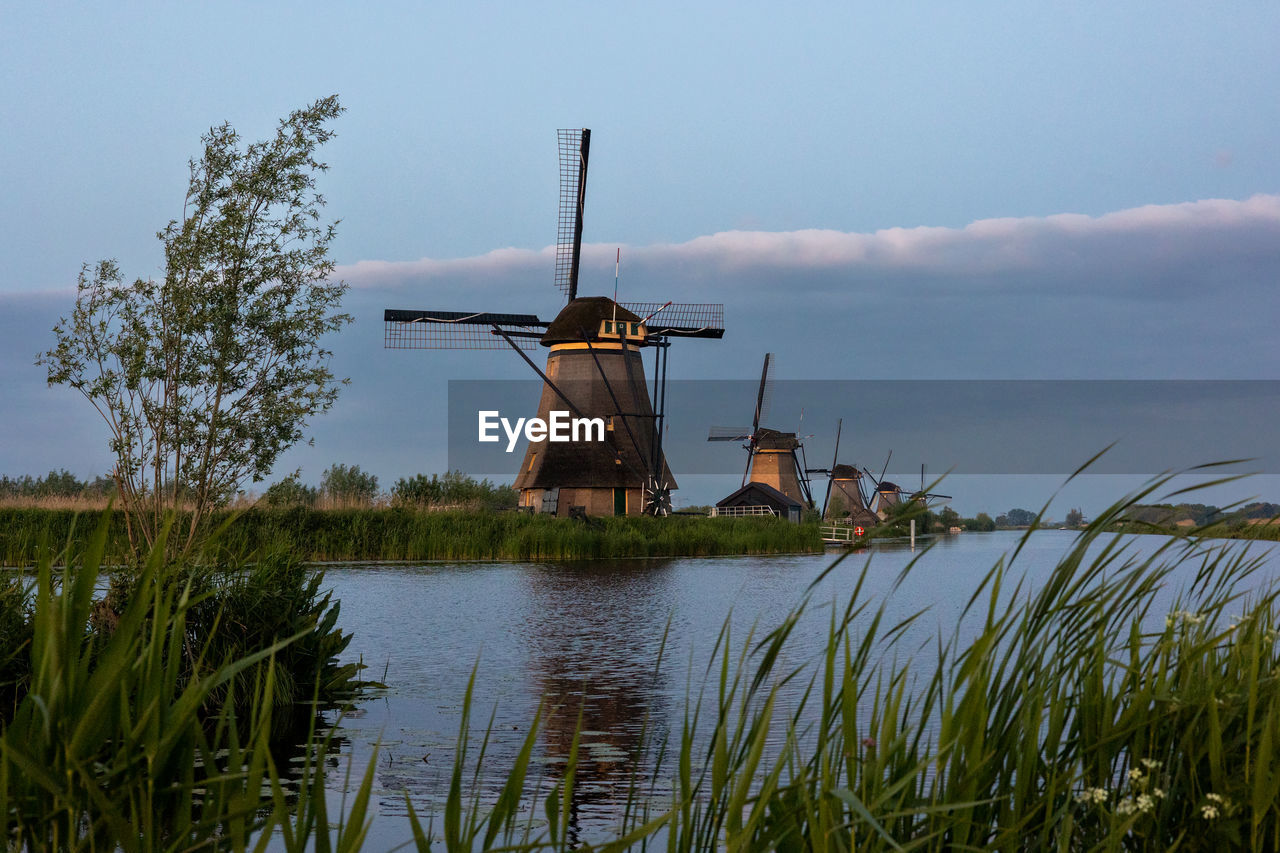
point(765, 493)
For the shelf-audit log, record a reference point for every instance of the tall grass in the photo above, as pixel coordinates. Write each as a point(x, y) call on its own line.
point(405, 533)
point(1075, 715)
point(148, 723)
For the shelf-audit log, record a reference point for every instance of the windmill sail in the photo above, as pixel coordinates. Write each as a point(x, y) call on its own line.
point(404, 329)
point(765, 396)
point(721, 433)
point(831, 474)
point(680, 319)
point(575, 148)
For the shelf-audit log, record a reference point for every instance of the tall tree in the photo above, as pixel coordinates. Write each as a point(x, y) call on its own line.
point(207, 375)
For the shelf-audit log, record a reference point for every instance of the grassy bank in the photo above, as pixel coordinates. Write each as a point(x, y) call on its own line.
point(400, 533)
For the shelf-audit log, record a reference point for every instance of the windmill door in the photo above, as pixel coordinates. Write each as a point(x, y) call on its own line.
point(619, 501)
point(551, 501)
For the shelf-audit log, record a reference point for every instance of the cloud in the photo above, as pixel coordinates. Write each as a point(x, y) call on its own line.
point(495, 263)
point(1159, 250)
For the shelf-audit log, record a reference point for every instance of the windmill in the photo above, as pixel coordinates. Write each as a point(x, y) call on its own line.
point(594, 369)
point(844, 483)
point(771, 455)
point(888, 494)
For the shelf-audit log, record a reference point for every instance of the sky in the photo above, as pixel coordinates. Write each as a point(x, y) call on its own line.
point(912, 191)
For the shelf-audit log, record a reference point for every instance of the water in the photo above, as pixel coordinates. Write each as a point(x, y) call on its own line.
point(587, 637)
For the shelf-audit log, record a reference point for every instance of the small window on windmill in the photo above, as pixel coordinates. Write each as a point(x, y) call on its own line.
point(551, 501)
point(635, 330)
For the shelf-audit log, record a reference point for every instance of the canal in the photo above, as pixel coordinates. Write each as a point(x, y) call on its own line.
point(621, 646)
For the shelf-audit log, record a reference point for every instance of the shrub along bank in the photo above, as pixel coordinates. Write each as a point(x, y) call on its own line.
point(404, 533)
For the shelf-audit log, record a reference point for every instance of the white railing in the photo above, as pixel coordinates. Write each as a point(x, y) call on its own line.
point(740, 511)
point(839, 533)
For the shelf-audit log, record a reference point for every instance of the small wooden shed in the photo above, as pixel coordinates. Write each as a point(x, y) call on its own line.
point(755, 494)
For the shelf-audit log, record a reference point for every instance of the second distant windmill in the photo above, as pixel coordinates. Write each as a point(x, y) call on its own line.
point(772, 456)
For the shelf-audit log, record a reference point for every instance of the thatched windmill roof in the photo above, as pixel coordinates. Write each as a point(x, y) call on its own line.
point(771, 439)
point(584, 314)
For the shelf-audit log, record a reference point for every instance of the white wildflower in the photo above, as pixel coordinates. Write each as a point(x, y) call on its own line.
point(1135, 774)
point(1145, 803)
point(1126, 806)
point(1092, 795)
point(1215, 798)
point(1186, 617)
point(1158, 793)
point(1152, 764)
point(1208, 812)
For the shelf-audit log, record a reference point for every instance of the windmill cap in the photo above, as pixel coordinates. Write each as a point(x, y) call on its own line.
point(845, 472)
point(771, 439)
point(886, 486)
point(584, 314)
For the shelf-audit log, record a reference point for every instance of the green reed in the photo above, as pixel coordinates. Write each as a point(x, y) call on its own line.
point(406, 533)
point(147, 723)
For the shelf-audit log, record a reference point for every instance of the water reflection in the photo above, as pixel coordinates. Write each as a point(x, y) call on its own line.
point(594, 633)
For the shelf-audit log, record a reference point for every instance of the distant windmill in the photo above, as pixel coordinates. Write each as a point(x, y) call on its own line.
point(888, 495)
point(771, 455)
point(594, 370)
point(844, 484)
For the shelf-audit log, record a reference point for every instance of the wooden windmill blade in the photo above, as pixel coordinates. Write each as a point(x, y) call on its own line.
point(411, 329)
point(764, 397)
point(720, 433)
point(802, 464)
point(680, 319)
point(831, 474)
point(870, 495)
point(802, 476)
point(575, 150)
